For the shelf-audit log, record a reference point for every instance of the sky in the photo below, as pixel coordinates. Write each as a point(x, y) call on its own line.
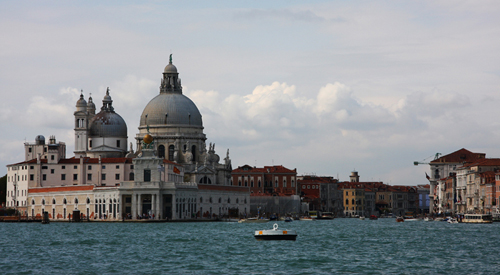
point(326, 87)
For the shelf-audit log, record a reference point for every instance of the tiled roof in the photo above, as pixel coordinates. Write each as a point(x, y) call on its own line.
point(60, 189)
point(460, 156)
point(484, 162)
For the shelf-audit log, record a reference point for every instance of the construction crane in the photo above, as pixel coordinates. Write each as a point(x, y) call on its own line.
point(436, 156)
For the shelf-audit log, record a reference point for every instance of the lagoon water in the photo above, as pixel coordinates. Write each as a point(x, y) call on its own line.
point(337, 246)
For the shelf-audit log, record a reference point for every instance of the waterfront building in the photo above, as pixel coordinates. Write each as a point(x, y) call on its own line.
point(442, 167)
point(321, 193)
point(276, 179)
point(171, 175)
point(423, 198)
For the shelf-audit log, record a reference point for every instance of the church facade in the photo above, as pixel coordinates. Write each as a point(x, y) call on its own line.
point(171, 175)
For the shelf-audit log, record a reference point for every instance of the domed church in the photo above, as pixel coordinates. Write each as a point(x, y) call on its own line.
point(171, 175)
point(176, 125)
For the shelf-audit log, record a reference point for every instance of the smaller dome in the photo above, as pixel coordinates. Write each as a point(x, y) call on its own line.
point(170, 69)
point(147, 139)
point(40, 140)
point(90, 104)
point(81, 103)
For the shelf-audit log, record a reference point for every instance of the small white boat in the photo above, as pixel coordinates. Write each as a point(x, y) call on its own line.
point(362, 218)
point(275, 234)
point(253, 220)
point(427, 219)
point(306, 219)
point(452, 220)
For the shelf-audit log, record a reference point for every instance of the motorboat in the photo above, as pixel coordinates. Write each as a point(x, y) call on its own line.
point(362, 218)
point(326, 216)
point(452, 220)
point(306, 219)
point(427, 219)
point(288, 219)
point(400, 219)
point(253, 220)
point(477, 218)
point(275, 234)
point(411, 219)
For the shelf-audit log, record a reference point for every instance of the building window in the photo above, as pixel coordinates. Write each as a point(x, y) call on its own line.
point(52, 157)
point(63, 167)
point(32, 177)
point(52, 171)
point(90, 167)
point(63, 176)
point(131, 176)
point(90, 144)
point(171, 150)
point(117, 177)
point(44, 177)
point(103, 176)
point(118, 143)
point(131, 166)
point(161, 151)
point(29, 150)
point(104, 167)
point(89, 176)
point(147, 175)
point(75, 176)
point(75, 167)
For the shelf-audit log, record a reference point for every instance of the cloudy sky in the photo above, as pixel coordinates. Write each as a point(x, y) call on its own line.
point(326, 87)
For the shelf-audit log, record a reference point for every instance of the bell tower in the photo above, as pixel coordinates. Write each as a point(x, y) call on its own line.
point(82, 116)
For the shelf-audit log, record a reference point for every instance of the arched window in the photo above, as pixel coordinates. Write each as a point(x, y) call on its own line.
point(131, 176)
point(88, 201)
point(239, 183)
point(259, 183)
point(201, 199)
point(193, 151)
point(161, 151)
point(220, 200)
point(228, 200)
point(353, 201)
point(53, 201)
point(347, 201)
point(76, 200)
point(64, 201)
point(171, 152)
point(43, 201)
point(33, 202)
point(251, 183)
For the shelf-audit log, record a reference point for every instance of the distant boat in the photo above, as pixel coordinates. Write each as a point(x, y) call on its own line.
point(326, 216)
point(373, 217)
point(253, 220)
point(362, 218)
point(400, 219)
point(306, 219)
point(411, 219)
point(477, 218)
point(288, 219)
point(275, 234)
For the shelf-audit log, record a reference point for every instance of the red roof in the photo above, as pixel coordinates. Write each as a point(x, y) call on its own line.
point(460, 156)
point(60, 189)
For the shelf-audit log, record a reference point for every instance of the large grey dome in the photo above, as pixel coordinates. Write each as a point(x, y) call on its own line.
point(108, 124)
point(171, 109)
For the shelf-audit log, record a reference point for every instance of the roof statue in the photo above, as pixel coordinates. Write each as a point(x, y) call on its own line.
point(170, 58)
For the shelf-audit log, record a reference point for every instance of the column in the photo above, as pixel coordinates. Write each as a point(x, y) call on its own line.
point(157, 208)
point(134, 206)
point(139, 204)
point(153, 206)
